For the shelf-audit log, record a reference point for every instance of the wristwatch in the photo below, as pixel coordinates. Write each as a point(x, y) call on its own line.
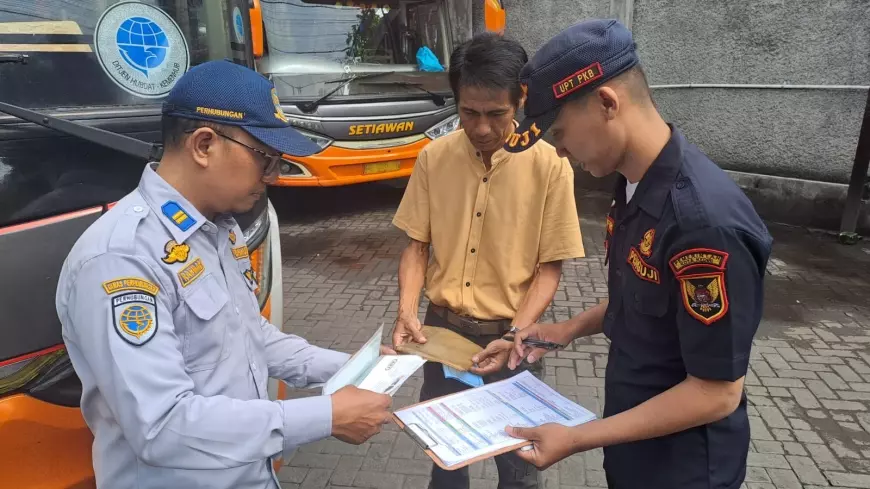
point(509, 336)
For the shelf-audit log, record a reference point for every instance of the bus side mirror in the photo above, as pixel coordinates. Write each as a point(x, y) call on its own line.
point(494, 16)
point(256, 15)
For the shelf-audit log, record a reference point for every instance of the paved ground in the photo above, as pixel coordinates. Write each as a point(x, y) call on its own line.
point(809, 387)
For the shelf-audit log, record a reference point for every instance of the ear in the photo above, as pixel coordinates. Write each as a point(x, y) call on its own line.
point(608, 101)
point(202, 145)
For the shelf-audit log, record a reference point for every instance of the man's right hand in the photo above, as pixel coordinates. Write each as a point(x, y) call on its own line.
point(407, 328)
point(358, 414)
point(557, 333)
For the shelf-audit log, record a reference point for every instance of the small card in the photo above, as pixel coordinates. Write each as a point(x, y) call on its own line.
point(467, 378)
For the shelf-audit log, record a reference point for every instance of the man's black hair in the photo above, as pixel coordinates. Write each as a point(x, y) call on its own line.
point(488, 61)
point(174, 129)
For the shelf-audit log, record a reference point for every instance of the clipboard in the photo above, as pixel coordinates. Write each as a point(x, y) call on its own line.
point(426, 441)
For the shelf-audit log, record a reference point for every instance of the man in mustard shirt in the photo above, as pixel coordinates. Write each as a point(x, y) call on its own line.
point(499, 225)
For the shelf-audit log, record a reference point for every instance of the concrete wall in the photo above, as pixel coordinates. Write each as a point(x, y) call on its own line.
point(796, 134)
point(809, 134)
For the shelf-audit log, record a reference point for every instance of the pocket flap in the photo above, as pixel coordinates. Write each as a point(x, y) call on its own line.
point(207, 298)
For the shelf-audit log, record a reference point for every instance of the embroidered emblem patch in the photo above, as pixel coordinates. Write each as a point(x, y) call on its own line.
point(135, 316)
point(641, 268)
point(190, 273)
point(178, 215)
point(578, 80)
point(704, 296)
point(240, 252)
point(232, 237)
point(647, 242)
point(175, 253)
point(251, 277)
point(609, 225)
point(130, 283)
point(698, 257)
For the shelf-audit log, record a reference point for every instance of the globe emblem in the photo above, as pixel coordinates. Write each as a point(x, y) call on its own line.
point(136, 320)
point(142, 44)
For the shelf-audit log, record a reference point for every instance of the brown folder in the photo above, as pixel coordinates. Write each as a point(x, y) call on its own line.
point(444, 346)
point(437, 460)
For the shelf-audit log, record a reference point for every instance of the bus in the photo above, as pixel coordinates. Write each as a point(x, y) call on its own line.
point(365, 80)
point(81, 82)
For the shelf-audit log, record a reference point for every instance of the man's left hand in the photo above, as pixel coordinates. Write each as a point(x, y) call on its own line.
point(493, 358)
point(386, 350)
point(551, 443)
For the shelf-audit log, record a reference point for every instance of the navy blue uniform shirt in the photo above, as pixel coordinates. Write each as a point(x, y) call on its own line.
point(687, 256)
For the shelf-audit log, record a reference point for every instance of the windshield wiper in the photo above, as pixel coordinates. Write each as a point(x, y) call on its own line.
point(312, 106)
point(13, 58)
point(119, 142)
point(438, 99)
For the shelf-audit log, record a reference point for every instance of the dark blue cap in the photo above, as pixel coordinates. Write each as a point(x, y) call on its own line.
point(231, 94)
point(577, 60)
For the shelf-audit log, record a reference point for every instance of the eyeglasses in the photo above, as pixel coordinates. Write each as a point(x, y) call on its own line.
point(270, 160)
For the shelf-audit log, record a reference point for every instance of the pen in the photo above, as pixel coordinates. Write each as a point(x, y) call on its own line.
point(547, 345)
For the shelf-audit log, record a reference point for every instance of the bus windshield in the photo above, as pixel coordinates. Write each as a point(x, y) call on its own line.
point(93, 53)
point(305, 37)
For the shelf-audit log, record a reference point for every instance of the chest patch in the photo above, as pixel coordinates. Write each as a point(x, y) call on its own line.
point(240, 252)
point(190, 273)
point(647, 242)
point(135, 317)
point(641, 268)
point(175, 253)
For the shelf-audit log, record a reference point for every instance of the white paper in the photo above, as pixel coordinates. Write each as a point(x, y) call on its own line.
point(391, 372)
point(471, 423)
point(368, 369)
point(353, 372)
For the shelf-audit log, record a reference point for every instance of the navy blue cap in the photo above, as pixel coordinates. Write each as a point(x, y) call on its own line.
point(232, 94)
point(577, 60)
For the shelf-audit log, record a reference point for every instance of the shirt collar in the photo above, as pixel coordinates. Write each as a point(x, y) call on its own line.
point(500, 156)
point(179, 216)
point(655, 186)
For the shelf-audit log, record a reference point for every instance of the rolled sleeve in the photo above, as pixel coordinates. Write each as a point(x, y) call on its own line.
point(412, 216)
point(719, 288)
point(306, 420)
point(560, 232)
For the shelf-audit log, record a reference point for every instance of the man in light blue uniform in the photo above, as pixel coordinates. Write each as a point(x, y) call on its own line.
point(159, 314)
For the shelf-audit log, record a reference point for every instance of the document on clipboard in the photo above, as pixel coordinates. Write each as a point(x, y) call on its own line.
point(463, 428)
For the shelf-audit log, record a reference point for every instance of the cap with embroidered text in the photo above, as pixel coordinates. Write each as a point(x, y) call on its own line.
point(577, 60)
point(227, 93)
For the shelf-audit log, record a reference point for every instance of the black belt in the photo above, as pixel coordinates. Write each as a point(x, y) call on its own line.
point(471, 326)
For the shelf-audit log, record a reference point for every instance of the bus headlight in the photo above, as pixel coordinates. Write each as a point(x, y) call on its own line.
point(322, 141)
point(444, 127)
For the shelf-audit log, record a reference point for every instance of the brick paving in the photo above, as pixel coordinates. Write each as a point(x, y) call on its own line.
point(808, 388)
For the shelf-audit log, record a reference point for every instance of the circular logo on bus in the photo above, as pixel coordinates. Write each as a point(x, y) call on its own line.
point(141, 48)
point(239, 25)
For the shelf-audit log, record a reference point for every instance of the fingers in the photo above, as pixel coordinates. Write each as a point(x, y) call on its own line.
point(386, 350)
point(528, 455)
point(485, 354)
point(487, 367)
point(524, 433)
point(418, 335)
point(536, 355)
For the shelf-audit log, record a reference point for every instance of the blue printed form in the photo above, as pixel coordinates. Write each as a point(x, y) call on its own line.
point(469, 424)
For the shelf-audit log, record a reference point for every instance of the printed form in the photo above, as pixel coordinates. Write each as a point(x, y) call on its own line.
point(469, 424)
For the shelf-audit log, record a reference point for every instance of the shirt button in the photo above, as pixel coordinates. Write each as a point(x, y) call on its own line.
point(468, 284)
point(681, 185)
point(618, 272)
point(479, 214)
point(485, 179)
point(237, 311)
point(473, 250)
point(138, 208)
point(622, 227)
point(254, 367)
point(206, 228)
point(610, 315)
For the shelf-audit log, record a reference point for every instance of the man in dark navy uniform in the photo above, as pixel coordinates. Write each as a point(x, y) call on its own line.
point(687, 255)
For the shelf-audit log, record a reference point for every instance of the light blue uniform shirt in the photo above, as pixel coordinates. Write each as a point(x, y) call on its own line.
point(162, 326)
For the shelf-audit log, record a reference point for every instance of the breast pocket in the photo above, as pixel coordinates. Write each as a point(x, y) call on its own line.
point(204, 329)
point(647, 305)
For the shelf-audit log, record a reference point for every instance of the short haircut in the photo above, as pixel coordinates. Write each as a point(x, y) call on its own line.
point(633, 81)
point(174, 129)
point(488, 61)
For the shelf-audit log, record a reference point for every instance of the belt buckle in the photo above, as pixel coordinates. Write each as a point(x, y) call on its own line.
point(470, 324)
